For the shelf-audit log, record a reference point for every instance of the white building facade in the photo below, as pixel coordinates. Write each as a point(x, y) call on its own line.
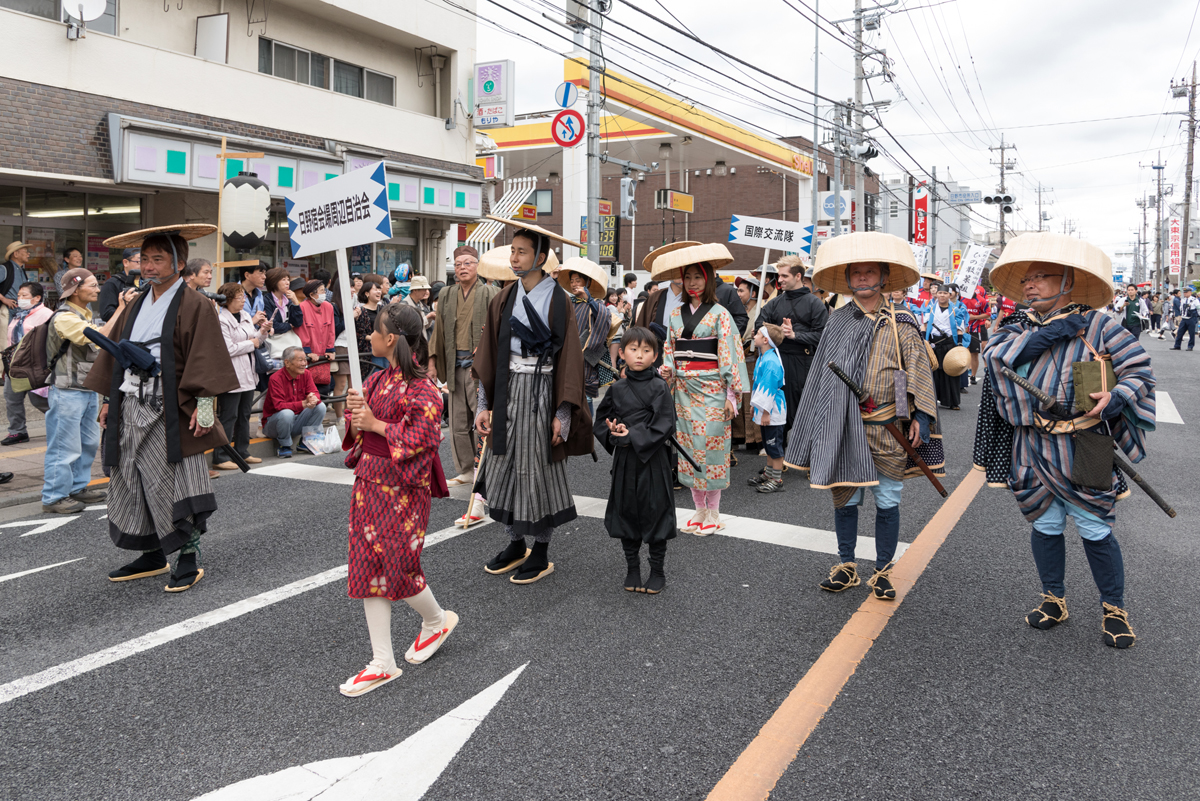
point(119, 130)
point(950, 231)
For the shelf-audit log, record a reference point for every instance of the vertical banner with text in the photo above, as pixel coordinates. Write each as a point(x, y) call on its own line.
point(920, 210)
point(1175, 240)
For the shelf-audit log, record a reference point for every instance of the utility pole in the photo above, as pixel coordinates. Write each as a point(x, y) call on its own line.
point(837, 170)
point(1040, 190)
point(1187, 189)
point(1158, 254)
point(859, 212)
point(932, 221)
point(593, 133)
point(1004, 166)
point(816, 197)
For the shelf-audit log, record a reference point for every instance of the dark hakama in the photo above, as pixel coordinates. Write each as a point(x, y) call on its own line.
point(389, 509)
point(641, 503)
point(948, 387)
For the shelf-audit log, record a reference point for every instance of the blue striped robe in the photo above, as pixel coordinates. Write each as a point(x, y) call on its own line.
point(1041, 462)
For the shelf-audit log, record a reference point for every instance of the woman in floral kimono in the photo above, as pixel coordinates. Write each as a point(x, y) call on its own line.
point(703, 361)
point(392, 434)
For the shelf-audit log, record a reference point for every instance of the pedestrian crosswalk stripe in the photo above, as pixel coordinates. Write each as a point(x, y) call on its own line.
point(1165, 411)
point(746, 528)
point(12, 576)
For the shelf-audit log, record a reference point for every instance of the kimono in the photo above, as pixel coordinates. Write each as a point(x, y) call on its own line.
point(160, 495)
point(389, 508)
point(641, 501)
point(705, 353)
point(593, 320)
point(1019, 448)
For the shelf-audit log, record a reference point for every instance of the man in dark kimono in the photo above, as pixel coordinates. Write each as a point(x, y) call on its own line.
point(529, 365)
point(802, 315)
point(163, 417)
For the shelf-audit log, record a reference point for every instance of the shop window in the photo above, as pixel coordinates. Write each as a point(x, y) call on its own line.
point(380, 88)
point(10, 203)
point(544, 200)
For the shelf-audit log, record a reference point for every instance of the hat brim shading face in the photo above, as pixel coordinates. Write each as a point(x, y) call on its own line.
point(134, 239)
point(597, 281)
point(1091, 266)
point(835, 255)
point(13, 248)
point(518, 225)
point(495, 264)
point(669, 266)
point(648, 262)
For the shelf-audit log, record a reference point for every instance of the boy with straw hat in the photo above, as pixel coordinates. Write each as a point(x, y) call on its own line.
point(529, 365)
point(1065, 282)
point(843, 444)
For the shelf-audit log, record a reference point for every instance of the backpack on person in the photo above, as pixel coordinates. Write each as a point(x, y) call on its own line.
point(30, 366)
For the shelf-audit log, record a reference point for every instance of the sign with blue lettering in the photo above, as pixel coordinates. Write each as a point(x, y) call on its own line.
point(566, 95)
point(966, 196)
point(342, 212)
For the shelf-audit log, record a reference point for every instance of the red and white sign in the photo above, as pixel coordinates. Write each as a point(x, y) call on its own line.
point(1175, 239)
point(920, 209)
point(567, 128)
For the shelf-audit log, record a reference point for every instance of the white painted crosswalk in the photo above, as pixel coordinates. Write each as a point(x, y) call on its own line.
point(1165, 410)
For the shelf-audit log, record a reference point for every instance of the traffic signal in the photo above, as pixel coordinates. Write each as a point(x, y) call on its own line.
point(864, 151)
point(1004, 201)
point(628, 197)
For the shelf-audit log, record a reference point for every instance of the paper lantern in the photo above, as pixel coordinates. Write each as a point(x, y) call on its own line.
point(245, 209)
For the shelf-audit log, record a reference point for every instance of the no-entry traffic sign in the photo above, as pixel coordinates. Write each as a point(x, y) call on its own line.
point(567, 128)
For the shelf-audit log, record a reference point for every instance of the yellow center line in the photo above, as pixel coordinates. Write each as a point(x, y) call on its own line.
point(758, 769)
point(6, 454)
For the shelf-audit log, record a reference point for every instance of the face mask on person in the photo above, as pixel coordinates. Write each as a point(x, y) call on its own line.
point(319, 298)
point(24, 303)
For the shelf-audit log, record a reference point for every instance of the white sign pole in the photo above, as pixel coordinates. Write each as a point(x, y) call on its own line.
point(344, 283)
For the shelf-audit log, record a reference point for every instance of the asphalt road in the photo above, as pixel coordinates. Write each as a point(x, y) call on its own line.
point(624, 696)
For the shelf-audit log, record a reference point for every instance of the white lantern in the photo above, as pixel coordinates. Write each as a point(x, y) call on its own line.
point(245, 208)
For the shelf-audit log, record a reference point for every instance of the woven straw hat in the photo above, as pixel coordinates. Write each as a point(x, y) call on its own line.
point(648, 262)
point(669, 266)
point(598, 286)
point(836, 254)
point(134, 239)
point(13, 248)
point(519, 224)
point(494, 264)
point(1093, 268)
point(957, 361)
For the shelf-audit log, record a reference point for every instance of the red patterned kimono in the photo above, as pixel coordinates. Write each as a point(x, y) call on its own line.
point(389, 510)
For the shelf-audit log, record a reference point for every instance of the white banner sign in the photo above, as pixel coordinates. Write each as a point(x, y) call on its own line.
point(769, 234)
point(921, 254)
point(342, 212)
point(1176, 245)
point(971, 269)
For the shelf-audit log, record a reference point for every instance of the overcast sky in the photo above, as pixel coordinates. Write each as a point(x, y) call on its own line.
point(977, 68)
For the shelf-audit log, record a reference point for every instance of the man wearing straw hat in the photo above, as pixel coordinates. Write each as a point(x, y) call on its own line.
point(163, 418)
point(842, 443)
point(461, 312)
point(1061, 339)
point(530, 406)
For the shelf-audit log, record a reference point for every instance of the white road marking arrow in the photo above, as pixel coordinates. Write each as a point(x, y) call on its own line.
point(42, 528)
point(12, 576)
point(402, 773)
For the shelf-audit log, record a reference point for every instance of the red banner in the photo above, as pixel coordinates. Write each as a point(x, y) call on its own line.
point(920, 209)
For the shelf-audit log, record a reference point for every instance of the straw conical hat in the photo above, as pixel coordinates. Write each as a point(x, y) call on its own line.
point(669, 266)
point(494, 265)
point(648, 262)
point(957, 360)
point(836, 254)
point(598, 285)
point(519, 224)
point(1093, 268)
point(134, 239)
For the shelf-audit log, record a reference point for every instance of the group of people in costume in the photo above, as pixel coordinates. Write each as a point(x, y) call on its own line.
point(526, 350)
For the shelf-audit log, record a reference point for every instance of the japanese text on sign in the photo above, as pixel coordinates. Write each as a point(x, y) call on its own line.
point(1176, 245)
point(764, 233)
point(334, 213)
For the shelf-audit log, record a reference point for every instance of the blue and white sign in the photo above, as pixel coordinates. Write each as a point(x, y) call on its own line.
point(342, 212)
point(566, 95)
point(966, 196)
point(770, 234)
point(829, 201)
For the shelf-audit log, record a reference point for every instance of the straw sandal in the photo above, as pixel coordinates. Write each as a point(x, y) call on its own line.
point(1052, 612)
point(842, 576)
point(881, 583)
point(1117, 631)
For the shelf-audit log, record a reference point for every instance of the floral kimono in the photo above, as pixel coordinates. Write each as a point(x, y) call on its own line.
point(389, 510)
point(705, 354)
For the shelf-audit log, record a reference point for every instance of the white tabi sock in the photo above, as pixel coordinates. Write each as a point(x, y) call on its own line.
point(379, 626)
point(433, 618)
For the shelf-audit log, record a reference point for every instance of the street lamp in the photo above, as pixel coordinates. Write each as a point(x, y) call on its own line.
point(719, 169)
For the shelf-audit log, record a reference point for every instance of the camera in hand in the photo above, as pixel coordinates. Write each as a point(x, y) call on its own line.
point(212, 295)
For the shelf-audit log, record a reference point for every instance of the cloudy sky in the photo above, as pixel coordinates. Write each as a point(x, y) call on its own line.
point(964, 72)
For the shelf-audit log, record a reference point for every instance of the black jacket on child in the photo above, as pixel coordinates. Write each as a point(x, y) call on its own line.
point(641, 504)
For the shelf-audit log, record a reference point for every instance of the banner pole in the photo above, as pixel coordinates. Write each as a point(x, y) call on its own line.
point(347, 291)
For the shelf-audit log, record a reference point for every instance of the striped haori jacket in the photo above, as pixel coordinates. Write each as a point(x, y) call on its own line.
point(1041, 456)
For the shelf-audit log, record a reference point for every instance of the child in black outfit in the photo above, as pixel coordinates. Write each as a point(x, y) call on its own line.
point(633, 423)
